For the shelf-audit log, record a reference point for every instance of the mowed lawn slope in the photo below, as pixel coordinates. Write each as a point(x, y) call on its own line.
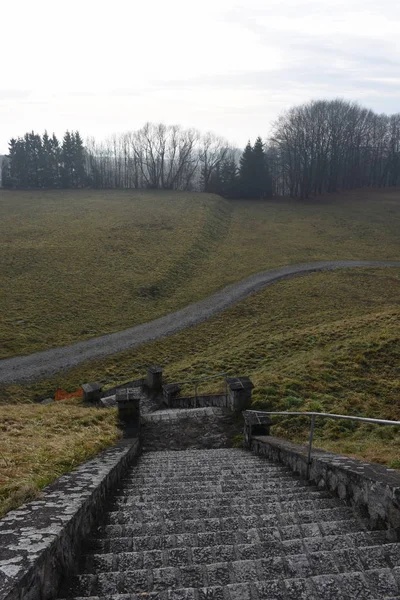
point(325, 342)
point(76, 264)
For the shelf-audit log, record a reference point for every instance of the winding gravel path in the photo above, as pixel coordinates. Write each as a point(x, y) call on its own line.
point(47, 363)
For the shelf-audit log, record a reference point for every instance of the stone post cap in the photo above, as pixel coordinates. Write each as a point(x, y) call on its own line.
point(91, 387)
point(171, 388)
point(240, 383)
point(154, 369)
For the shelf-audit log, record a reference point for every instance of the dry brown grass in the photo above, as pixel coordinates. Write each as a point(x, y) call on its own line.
point(40, 443)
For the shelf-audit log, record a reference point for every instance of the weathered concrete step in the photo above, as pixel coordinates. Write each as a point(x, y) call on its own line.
point(230, 490)
point(218, 484)
point(184, 458)
point(277, 589)
point(274, 502)
point(335, 560)
point(317, 543)
point(306, 529)
point(216, 477)
point(230, 465)
point(219, 454)
point(255, 514)
point(204, 469)
point(307, 496)
point(264, 579)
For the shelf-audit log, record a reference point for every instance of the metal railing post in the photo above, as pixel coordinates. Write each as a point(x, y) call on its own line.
point(319, 414)
point(310, 441)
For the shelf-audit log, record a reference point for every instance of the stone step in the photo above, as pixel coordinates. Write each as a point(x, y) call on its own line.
point(265, 578)
point(302, 495)
point(333, 560)
point(243, 522)
point(204, 467)
point(255, 514)
point(225, 488)
point(276, 502)
point(190, 453)
point(237, 484)
point(285, 537)
point(208, 477)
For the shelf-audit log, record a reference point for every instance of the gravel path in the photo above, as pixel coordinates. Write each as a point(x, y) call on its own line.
point(47, 363)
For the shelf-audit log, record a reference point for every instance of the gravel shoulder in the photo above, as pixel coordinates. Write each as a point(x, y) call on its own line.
point(45, 364)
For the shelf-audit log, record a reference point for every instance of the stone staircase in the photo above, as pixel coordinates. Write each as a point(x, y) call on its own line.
point(223, 524)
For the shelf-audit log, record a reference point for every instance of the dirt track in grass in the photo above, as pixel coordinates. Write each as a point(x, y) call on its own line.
point(44, 364)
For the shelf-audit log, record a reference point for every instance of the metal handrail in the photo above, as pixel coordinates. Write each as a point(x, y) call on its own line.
point(319, 414)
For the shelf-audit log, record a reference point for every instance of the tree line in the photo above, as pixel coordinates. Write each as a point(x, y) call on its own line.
point(35, 161)
point(327, 146)
point(318, 147)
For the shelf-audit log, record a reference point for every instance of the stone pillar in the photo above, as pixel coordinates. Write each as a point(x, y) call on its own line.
point(128, 402)
point(170, 391)
point(239, 393)
point(154, 378)
point(92, 392)
point(255, 424)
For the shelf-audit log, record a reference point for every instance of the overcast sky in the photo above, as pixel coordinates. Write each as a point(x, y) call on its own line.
point(222, 65)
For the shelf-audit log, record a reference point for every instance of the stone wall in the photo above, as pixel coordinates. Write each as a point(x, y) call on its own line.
point(372, 488)
point(213, 400)
point(42, 540)
point(189, 428)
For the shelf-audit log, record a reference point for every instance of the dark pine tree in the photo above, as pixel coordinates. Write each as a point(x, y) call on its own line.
point(246, 172)
point(67, 161)
point(55, 161)
point(254, 178)
point(73, 172)
point(262, 183)
point(18, 163)
point(6, 180)
point(79, 160)
point(50, 161)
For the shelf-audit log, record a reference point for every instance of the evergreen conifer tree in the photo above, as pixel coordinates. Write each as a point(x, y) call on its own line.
point(6, 180)
point(246, 172)
point(254, 178)
point(67, 161)
point(79, 160)
point(262, 184)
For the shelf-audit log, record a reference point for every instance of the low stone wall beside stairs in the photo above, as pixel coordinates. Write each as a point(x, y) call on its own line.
point(189, 428)
point(42, 541)
point(370, 487)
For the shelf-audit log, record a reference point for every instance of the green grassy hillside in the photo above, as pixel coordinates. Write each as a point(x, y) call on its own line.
point(76, 264)
point(327, 342)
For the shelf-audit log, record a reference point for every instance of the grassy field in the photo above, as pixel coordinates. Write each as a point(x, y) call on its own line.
point(326, 342)
point(40, 443)
point(76, 264)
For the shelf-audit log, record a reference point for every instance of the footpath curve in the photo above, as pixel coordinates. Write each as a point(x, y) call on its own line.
point(44, 364)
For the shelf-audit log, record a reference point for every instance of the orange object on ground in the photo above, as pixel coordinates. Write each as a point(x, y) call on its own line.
point(63, 395)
